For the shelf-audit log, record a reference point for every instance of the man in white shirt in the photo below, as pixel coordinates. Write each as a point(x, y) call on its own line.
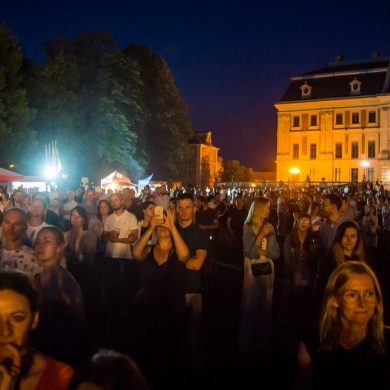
point(36, 221)
point(67, 208)
point(163, 197)
point(120, 231)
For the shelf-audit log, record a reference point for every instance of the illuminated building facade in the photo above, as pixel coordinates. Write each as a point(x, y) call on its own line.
point(333, 124)
point(205, 163)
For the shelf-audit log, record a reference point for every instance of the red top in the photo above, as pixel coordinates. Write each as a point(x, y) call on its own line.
point(57, 375)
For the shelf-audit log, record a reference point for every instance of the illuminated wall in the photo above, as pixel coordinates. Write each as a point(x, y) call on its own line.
point(338, 138)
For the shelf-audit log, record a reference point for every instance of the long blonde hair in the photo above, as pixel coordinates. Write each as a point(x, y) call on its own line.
point(330, 325)
point(255, 214)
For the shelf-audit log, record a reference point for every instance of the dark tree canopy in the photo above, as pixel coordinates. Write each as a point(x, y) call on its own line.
point(18, 139)
point(168, 127)
point(87, 96)
point(107, 109)
point(232, 170)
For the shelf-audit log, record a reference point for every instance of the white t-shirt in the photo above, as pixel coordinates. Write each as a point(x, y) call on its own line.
point(31, 234)
point(22, 259)
point(126, 222)
point(68, 206)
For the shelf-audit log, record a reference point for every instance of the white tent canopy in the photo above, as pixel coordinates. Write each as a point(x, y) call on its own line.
point(145, 181)
point(115, 180)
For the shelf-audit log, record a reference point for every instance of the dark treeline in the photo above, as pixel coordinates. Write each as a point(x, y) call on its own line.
point(107, 108)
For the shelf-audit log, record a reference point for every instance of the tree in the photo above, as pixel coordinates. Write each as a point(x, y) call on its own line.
point(18, 139)
point(87, 96)
point(232, 170)
point(167, 128)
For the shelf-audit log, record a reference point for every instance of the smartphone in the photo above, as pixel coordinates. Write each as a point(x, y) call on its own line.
point(159, 212)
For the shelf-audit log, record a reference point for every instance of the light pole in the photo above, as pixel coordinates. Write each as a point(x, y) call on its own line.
point(294, 172)
point(365, 164)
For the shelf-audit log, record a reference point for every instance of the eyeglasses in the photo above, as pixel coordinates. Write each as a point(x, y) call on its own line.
point(352, 297)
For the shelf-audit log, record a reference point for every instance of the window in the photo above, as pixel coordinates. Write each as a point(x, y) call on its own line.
point(354, 174)
point(371, 149)
point(355, 150)
point(339, 119)
point(313, 120)
point(370, 174)
point(372, 117)
point(339, 150)
point(296, 121)
point(355, 118)
point(191, 168)
point(313, 151)
point(337, 174)
point(295, 151)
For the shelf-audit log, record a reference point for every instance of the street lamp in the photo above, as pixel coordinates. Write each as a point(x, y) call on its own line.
point(364, 164)
point(295, 172)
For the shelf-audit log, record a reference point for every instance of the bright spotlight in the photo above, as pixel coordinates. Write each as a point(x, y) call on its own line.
point(50, 172)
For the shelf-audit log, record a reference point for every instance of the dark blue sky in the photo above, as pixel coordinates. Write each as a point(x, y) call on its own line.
point(231, 60)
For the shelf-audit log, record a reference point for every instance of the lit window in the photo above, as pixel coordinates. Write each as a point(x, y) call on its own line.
point(339, 150)
point(371, 149)
point(355, 150)
point(372, 117)
point(355, 118)
point(313, 151)
point(295, 151)
point(354, 174)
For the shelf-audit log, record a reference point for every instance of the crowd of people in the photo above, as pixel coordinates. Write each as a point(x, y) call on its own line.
point(109, 271)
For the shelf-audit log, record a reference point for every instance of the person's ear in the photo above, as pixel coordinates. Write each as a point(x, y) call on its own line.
point(60, 248)
point(334, 302)
point(35, 320)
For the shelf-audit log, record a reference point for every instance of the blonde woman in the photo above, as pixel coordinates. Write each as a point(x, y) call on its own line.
point(349, 350)
point(261, 248)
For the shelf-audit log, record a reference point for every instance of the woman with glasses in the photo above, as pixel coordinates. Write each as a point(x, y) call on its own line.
point(349, 350)
point(347, 246)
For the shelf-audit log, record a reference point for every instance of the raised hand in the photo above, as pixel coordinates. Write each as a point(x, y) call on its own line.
point(10, 366)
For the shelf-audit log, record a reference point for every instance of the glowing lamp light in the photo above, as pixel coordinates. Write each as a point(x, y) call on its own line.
point(50, 172)
point(294, 171)
point(364, 164)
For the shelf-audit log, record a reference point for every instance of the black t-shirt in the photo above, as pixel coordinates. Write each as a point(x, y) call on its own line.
point(238, 217)
point(206, 217)
point(136, 210)
point(359, 368)
point(195, 238)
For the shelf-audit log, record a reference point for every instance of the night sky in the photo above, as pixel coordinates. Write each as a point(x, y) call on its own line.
point(231, 60)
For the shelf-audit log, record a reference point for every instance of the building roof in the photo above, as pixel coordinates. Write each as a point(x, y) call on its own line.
point(201, 138)
point(333, 81)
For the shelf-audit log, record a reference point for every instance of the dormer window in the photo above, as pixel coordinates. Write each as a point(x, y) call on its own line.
point(306, 91)
point(355, 87)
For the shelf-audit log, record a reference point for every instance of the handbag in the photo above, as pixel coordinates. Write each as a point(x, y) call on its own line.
point(261, 268)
